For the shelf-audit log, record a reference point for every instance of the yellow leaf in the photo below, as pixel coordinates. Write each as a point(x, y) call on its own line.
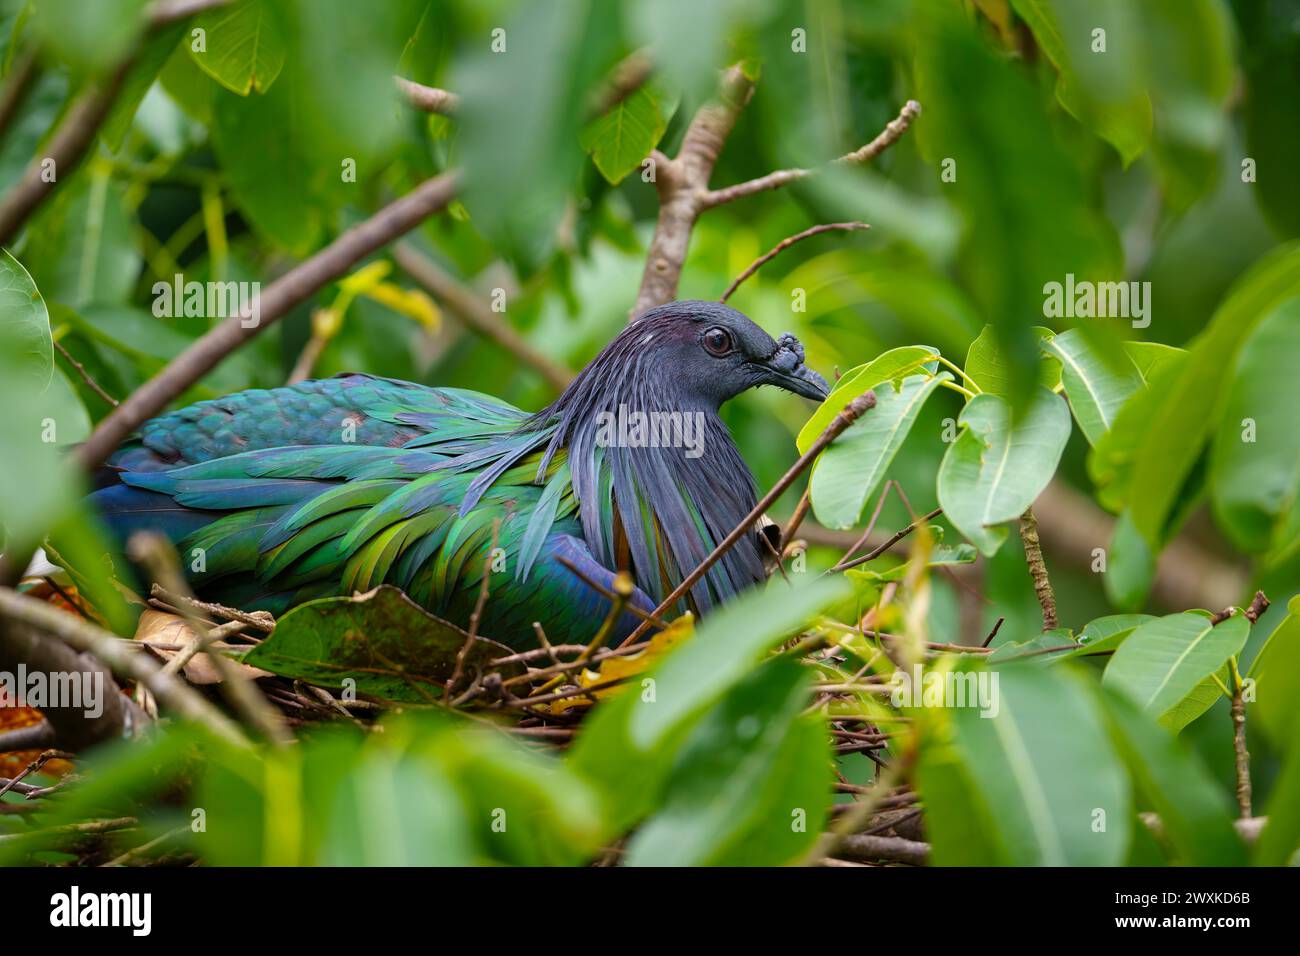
point(411, 303)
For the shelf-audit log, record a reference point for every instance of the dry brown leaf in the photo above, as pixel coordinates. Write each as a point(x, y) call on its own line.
point(174, 632)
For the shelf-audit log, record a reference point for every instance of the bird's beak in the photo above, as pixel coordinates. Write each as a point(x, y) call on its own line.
point(801, 380)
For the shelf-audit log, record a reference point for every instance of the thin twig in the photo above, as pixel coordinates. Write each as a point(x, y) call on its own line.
point(85, 376)
point(886, 545)
point(786, 243)
point(474, 618)
point(886, 138)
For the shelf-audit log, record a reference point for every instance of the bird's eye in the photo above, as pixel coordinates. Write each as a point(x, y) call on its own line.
point(718, 341)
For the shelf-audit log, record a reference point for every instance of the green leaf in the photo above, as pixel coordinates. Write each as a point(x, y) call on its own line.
point(848, 473)
point(1104, 92)
point(1102, 635)
point(518, 130)
point(36, 482)
point(1276, 673)
point(1020, 189)
point(532, 810)
point(749, 787)
point(1165, 660)
point(619, 140)
point(893, 365)
point(1150, 357)
point(1255, 458)
point(1280, 838)
point(24, 325)
point(992, 372)
point(1111, 461)
point(275, 176)
point(1024, 787)
point(627, 747)
point(1271, 109)
point(1195, 815)
point(392, 810)
point(91, 36)
point(1184, 416)
point(942, 556)
point(157, 49)
point(1130, 565)
point(995, 469)
point(82, 244)
point(1095, 387)
point(245, 46)
point(388, 644)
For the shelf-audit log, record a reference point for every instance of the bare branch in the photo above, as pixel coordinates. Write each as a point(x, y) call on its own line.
point(471, 310)
point(395, 219)
point(782, 177)
point(65, 150)
point(79, 633)
point(1038, 568)
point(784, 244)
point(681, 182)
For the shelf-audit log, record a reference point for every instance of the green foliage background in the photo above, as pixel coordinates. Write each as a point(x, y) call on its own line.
point(1169, 158)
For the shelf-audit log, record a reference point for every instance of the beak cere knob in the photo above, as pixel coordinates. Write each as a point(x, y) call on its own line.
point(790, 373)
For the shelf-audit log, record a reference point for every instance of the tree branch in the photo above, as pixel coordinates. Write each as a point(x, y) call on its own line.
point(681, 182)
point(80, 634)
point(1038, 568)
point(784, 244)
point(395, 219)
point(66, 149)
point(472, 311)
point(782, 177)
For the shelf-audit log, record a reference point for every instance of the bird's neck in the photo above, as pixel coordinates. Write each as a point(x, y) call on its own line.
point(659, 481)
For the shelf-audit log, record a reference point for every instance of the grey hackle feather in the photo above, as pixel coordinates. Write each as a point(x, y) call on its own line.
point(670, 509)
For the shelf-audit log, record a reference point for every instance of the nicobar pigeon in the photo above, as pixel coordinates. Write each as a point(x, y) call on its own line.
point(338, 485)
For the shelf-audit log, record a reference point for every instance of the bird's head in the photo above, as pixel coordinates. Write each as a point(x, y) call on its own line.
point(714, 352)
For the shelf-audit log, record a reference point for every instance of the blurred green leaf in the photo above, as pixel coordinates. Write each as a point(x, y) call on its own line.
point(1165, 660)
point(275, 176)
point(1095, 387)
point(156, 50)
point(1184, 415)
point(1102, 88)
point(624, 136)
point(848, 473)
point(1195, 815)
point(1038, 784)
point(996, 468)
point(245, 46)
point(519, 128)
point(36, 484)
point(991, 370)
point(393, 810)
point(90, 35)
point(1276, 672)
point(627, 747)
point(1271, 60)
point(750, 785)
point(1021, 190)
point(1255, 458)
point(82, 248)
point(1280, 838)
